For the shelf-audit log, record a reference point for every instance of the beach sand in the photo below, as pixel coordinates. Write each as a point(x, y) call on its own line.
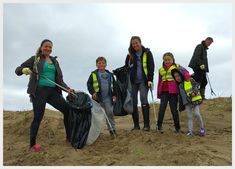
point(130, 148)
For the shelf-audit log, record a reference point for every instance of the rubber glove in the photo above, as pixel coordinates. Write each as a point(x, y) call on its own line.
point(202, 67)
point(150, 85)
point(26, 71)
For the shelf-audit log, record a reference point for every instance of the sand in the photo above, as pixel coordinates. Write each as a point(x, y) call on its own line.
point(136, 148)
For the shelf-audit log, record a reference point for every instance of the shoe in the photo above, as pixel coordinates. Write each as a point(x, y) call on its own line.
point(135, 128)
point(146, 128)
point(202, 132)
point(160, 129)
point(189, 133)
point(36, 147)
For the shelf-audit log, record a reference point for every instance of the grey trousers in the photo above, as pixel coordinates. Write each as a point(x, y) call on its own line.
point(107, 105)
point(189, 109)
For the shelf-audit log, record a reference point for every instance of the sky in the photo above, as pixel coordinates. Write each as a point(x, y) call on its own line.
point(82, 32)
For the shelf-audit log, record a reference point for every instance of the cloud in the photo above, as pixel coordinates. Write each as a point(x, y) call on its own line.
point(82, 32)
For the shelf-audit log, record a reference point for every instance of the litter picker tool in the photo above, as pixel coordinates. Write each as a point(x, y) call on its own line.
point(58, 85)
point(105, 115)
point(212, 92)
point(154, 110)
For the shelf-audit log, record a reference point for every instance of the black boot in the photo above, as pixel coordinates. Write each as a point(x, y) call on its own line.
point(135, 117)
point(145, 111)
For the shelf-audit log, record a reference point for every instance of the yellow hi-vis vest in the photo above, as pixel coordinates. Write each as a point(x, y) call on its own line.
point(96, 83)
point(166, 75)
point(189, 88)
point(144, 64)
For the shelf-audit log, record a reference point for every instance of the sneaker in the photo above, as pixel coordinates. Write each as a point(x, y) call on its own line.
point(189, 133)
point(146, 128)
point(202, 132)
point(135, 128)
point(160, 129)
point(36, 147)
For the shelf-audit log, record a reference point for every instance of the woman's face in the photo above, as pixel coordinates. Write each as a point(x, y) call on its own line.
point(167, 60)
point(46, 48)
point(135, 43)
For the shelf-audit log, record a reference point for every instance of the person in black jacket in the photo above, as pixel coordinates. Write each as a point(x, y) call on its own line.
point(141, 64)
point(199, 64)
point(42, 91)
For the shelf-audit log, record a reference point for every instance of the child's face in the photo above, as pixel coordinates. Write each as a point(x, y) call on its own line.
point(101, 65)
point(167, 60)
point(177, 77)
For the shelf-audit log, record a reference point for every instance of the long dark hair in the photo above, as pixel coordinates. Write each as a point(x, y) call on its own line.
point(131, 49)
point(39, 52)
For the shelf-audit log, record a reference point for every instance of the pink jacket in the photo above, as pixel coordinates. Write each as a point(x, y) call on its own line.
point(172, 85)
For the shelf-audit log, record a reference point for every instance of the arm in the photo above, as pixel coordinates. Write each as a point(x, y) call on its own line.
point(90, 85)
point(159, 86)
point(27, 64)
point(114, 86)
point(196, 86)
point(150, 66)
point(198, 55)
point(127, 61)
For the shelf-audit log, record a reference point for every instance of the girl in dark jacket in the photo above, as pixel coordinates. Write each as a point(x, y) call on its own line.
point(41, 90)
point(189, 91)
point(141, 64)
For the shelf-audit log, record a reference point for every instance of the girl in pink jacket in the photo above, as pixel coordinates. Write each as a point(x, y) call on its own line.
point(167, 91)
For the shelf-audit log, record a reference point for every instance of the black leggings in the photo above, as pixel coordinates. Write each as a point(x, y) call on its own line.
point(173, 101)
point(49, 95)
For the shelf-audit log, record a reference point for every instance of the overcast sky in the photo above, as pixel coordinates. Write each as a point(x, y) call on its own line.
point(82, 32)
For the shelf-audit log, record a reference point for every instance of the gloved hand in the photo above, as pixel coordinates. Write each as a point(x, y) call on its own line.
point(150, 84)
point(26, 71)
point(94, 96)
point(202, 67)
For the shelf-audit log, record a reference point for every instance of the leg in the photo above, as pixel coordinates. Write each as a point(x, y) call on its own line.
point(109, 113)
point(162, 109)
point(200, 77)
point(203, 84)
point(145, 105)
point(198, 115)
point(58, 102)
point(39, 103)
point(173, 105)
point(135, 115)
point(188, 109)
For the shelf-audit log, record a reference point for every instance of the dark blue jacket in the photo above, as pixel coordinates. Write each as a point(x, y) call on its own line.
point(133, 70)
point(92, 91)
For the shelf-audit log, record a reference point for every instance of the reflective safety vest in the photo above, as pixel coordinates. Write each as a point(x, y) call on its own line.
point(96, 83)
point(166, 75)
point(189, 88)
point(144, 64)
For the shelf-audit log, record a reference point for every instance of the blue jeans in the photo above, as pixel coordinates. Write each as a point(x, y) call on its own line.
point(143, 88)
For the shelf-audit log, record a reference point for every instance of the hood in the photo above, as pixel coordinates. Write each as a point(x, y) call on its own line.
point(181, 72)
